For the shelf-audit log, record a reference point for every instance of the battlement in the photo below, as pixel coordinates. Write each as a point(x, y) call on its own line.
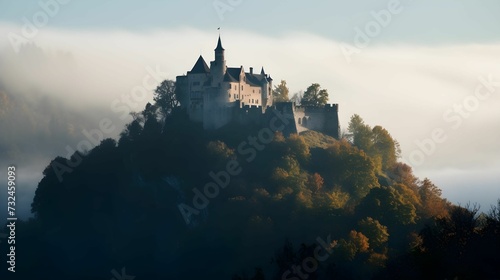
point(251, 107)
point(218, 95)
point(332, 107)
point(327, 108)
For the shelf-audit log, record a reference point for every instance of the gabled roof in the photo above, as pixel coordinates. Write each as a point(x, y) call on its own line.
point(200, 67)
point(255, 79)
point(229, 78)
point(234, 72)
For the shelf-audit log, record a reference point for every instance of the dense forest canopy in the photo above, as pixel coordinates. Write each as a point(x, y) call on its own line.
point(169, 200)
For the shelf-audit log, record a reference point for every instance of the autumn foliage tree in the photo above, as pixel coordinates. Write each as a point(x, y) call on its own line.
point(350, 168)
point(376, 142)
point(280, 92)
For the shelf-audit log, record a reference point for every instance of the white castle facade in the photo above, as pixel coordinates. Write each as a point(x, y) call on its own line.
point(212, 93)
point(218, 95)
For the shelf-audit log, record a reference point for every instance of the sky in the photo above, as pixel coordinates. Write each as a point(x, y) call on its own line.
point(427, 71)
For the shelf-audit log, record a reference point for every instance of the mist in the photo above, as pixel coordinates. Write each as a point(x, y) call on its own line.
point(68, 81)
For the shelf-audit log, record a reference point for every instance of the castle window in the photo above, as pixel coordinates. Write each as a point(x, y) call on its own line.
point(235, 87)
point(229, 86)
point(257, 101)
point(241, 87)
point(253, 101)
point(249, 101)
point(253, 90)
point(229, 96)
point(235, 96)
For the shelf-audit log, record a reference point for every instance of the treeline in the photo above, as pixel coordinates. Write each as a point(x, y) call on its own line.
point(300, 207)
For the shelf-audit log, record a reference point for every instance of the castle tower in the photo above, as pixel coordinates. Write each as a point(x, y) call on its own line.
point(218, 66)
point(216, 107)
point(266, 101)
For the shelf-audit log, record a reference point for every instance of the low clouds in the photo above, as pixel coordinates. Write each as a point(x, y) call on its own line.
point(405, 89)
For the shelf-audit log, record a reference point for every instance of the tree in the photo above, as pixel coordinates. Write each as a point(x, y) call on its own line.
point(494, 213)
point(337, 199)
point(218, 154)
point(402, 173)
point(315, 96)
point(452, 244)
point(361, 241)
point(385, 146)
point(297, 146)
point(356, 243)
point(315, 182)
point(280, 92)
point(361, 133)
point(347, 166)
point(432, 203)
point(166, 97)
point(297, 97)
point(376, 142)
point(377, 233)
point(389, 207)
point(131, 133)
point(152, 127)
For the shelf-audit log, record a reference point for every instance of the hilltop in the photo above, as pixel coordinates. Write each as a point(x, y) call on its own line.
point(172, 200)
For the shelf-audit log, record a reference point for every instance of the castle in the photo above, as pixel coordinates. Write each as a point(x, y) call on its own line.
point(218, 95)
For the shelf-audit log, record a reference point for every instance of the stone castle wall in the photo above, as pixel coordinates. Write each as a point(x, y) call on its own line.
point(324, 119)
point(219, 95)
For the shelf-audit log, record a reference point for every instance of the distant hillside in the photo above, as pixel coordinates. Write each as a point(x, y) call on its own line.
point(34, 120)
point(39, 117)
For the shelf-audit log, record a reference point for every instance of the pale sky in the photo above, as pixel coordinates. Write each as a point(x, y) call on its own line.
point(410, 71)
point(423, 22)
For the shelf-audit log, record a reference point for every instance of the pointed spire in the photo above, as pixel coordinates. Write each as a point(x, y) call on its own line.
point(219, 45)
point(262, 72)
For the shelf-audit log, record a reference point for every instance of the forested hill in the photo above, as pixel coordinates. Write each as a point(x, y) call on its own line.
point(169, 200)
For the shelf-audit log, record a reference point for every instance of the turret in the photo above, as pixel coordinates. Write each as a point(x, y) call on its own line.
point(218, 66)
point(267, 100)
point(219, 51)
